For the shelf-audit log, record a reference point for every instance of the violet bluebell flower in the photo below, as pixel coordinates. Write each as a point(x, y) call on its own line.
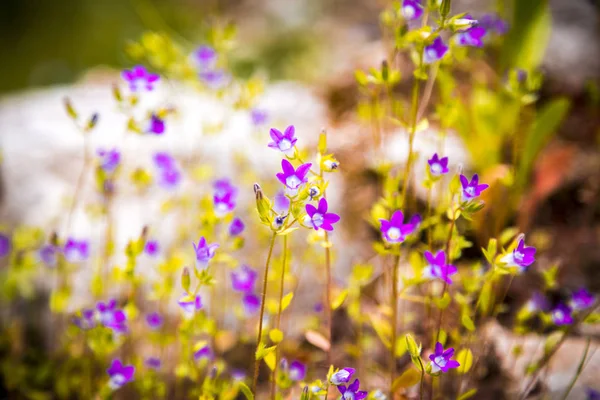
point(236, 227)
point(291, 178)
point(297, 371)
point(318, 307)
point(152, 248)
point(76, 250)
point(473, 189)
point(521, 257)
point(154, 320)
point(251, 303)
point(283, 142)
point(342, 376)
point(441, 359)
point(238, 375)
point(109, 159)
point(592, 394)
point(223, 204)
point(204, 353)
point(215, 78)
point(319, 217)
point(153, 363)
point(156, 125)
point(562, 315)
point(281, 203)
point(538, 302)
point(493, 23)
point(351, 392)
point(472, 37)
point(435, 51)
point(164, 160)
point(190, 303)
point(4, 245)
point(139, 78)
point(581, 299)
point(112, 317)
point(204, 252)
point(119, 374)
point(205, 57)
point(169, 175)
point(395, 230)
point(243, 279)
point(438, 166)
point(259, 117)
point(411, 9)
point(85, 320)
point(49, 255)
point(223, 186)
point(437, 267)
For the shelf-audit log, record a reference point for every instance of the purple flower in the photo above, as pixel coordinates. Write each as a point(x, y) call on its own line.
point(190, 303)
point(237, 227)
point(164, 160)
point(154, 320)
point(493, 23)
point(473, 36)
point(138, 78)
point(320, 218)
point(292, 179)
point(318, 307)
point(297, 371)
point(561, 315)
point(538, 302)
point(351, 392)
point(582, 299)
point(224, 204)
point(437, 267)
point(395, 230)
point(243, 279)
point(441, 359)
point(204, 353)
point(438, 166)
point(4, 245)
point(473, 189)
point(76, 250)
point(85, 321)
point(412, 9)
point(435, 51)
point(204, 252)
point(592, 394)
point(215, 79)
point(111, 317)
point(205, 57)
point(283, 142)
point(156, 125)
point(119, 374)
point(109, 159)
point(521, 257)
point(48, 254)
point(342, 376)
point(153, 363)
point(238, 375)
point(259, 117)
point(152, 248)
point(251, 303)
point(224, 186)
point(169, 175)
point(281, 204)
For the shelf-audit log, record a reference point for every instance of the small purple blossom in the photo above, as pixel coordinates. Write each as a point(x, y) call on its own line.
point(156, 125)
point(582, 299)
point(320, 218)
point(438, 166)
point(318, 307)
point(437, 267)
point(164, 160)
point(473, 189)
point(251, 303)
point(473, 36)
point(493, 23)
point(342, 376)
point(109, 159)
point(538, 302)
point(281, 203)
point(205, 57)
point(204, 353)
point(4, 245)
point(283, 142)
point(119, 374)
point(190, 303)
point(259, 117)
point(138, 77)
point(243, 279)
point(441, 359)
point(152, 248)
point(411, 9)
point(153, 363)
point(224, 204)
point(521, 257)
point(154, 320)
point(351, 392)
point(215, 79)
point(297, 371)
point(169, 175)
point(49, 255)
point(238, 375)
point(236, 227)
point(85, 320)
point(562, 315)
point(204, 252)
point(435, 51)
point(76, 250)
point(112, 317)
point(291, 178)
point(395, 230)
point(223, 187)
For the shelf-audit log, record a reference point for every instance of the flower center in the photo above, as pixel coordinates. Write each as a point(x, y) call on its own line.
point(394, 233)
point(348, 395)
point(317, 219)
point(518, 256)
point(292, 182)
point(436, 169)
point(441, 361)
point(470, 191)
point(117, 380)
point(285, 145)
point(408, 12)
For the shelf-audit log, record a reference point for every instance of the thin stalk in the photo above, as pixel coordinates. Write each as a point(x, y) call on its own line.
point(278, 320)
point(439, 323)
point(262, 312)
point(394, 301)
point(422, 382)
point(411, 137)
point(579, 368)
point(328, 298)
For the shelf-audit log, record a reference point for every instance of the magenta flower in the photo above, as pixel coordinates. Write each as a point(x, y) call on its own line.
point(592, 394)
point(153, 363)
point(395, 230)
point(351, 392)
point(224, 204)
point(473, 36)
point(204, 353)
point(86, 320)
point(243, 279)
point(293, 179)
point(223, 187)
point(281, 204)
point(437, 267)
point(190, 303)
point(169, 175)
point(342, 376)
point(152, 248)
point(562, 315)
point(156, 125)
point(4, 245)
point(320, 218)
point(138, 77)
point(204, 252)
point(435, 51)
point(119, 374)
point(164, 160)
point(109, 159)
point(438, 166)
point(521, 257)
point(582, 299)
point(441, 359)
point(411, 9)
point(493, 23)
point(297, 371)
point(205, 57)
point(473, 189)
point(76, 250)
point(215, 79)
point(48, 255)
point(251, 304)
point(259, 117)
point(283, 142)
point(237, 227)
point(112, 317)
point(538, 302)
point(154, 320)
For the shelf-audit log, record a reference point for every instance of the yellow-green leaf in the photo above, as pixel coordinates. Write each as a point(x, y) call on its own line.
point(468, 322)
point(276, 335)
point(465, 359)
point(270, 360)
point(467, 395)
point(339, 299)
point(287, 299)
point(246, 391)
point(409, 378)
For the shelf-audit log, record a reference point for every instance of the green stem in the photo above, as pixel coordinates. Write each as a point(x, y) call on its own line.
point(413, 129)
point(394, 302)
point(262, 313)
point(278, 320)
point(328, 298)
point(579, 368)
point(439, 323)
point(422, 379)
